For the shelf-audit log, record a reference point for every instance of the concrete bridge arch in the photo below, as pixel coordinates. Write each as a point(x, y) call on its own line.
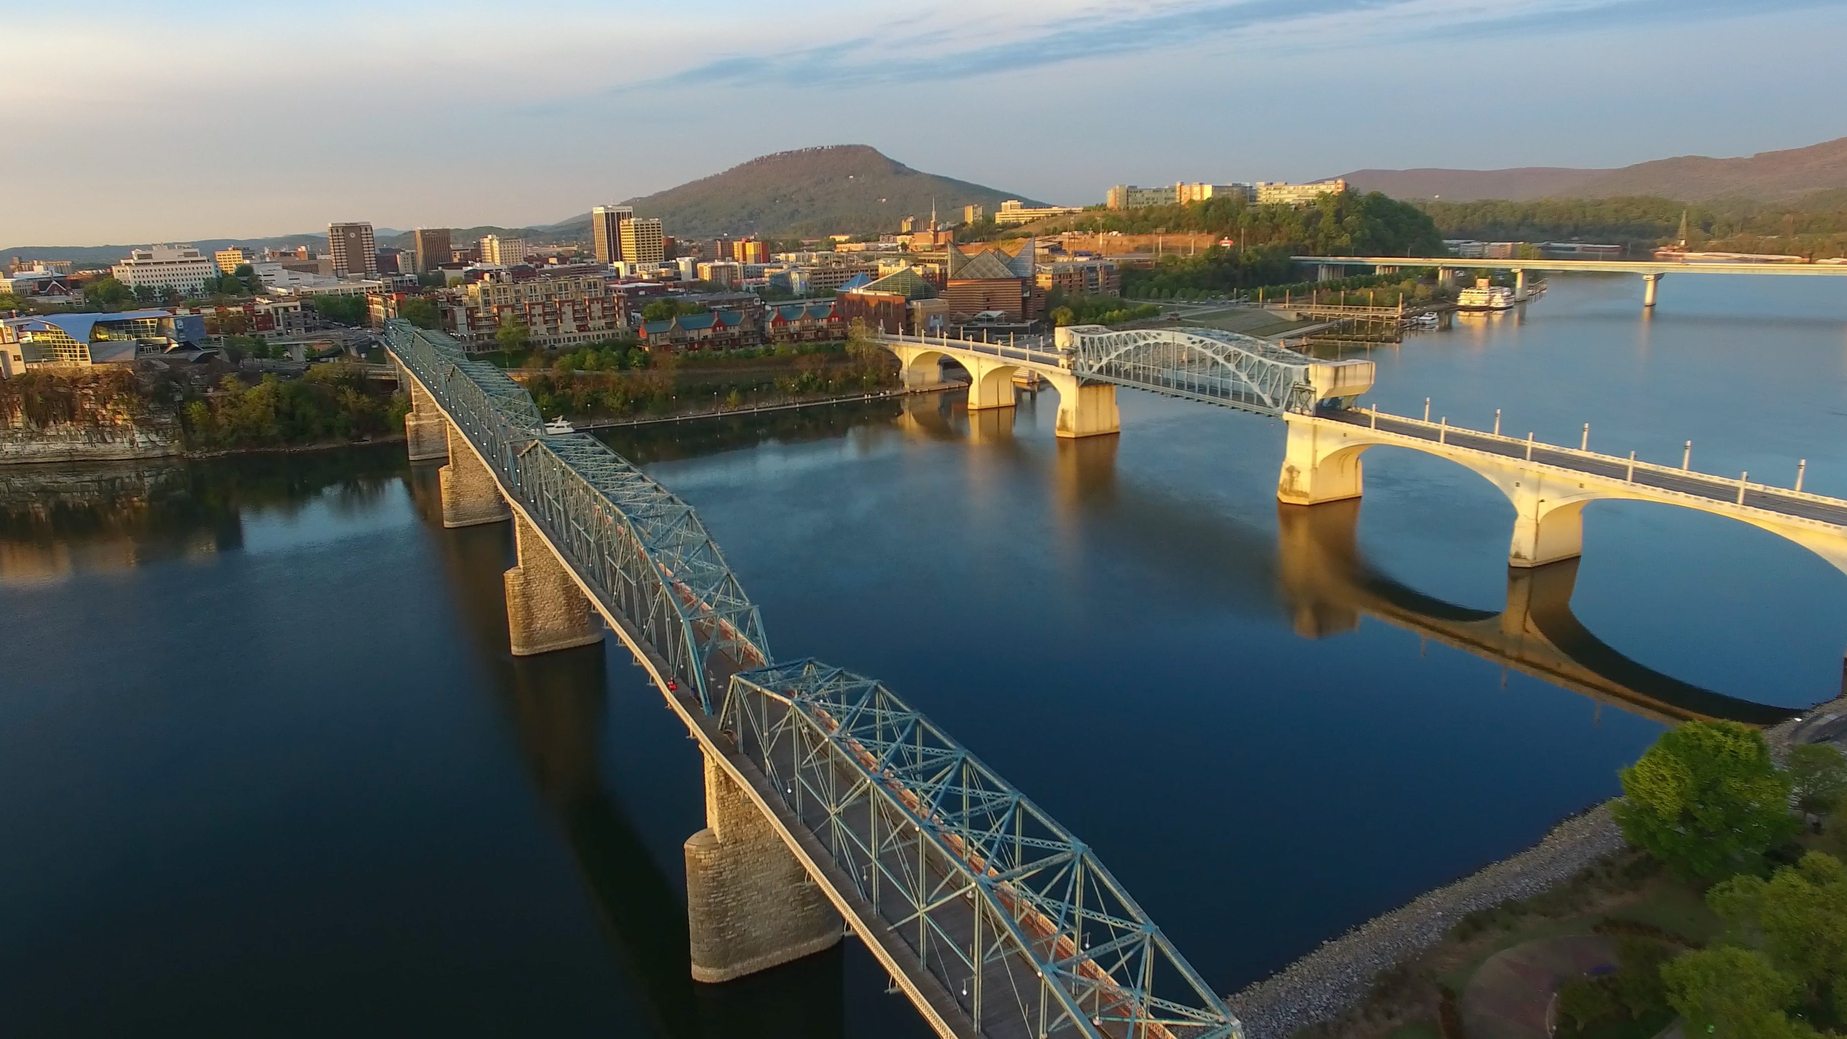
point(1322, 463)
point(1084, 408)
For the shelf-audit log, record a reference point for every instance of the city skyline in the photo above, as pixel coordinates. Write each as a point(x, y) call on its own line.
point(1404, 82)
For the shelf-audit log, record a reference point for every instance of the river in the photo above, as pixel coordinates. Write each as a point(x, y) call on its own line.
point(266, 765)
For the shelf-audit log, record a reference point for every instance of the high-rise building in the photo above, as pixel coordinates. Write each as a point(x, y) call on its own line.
point(606, 231)
point(973, 213)
point(643, 242)
point(432, 247)
point(503, 251)
point(750, 250)
point(354, 250)
point(228, 260)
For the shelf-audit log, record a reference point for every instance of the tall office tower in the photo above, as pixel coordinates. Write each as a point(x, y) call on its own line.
point(606, 231)
point(432, 246)
point(354, 251)
point(643, 242)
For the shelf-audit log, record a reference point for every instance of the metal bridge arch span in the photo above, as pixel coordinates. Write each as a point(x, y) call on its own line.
point(1211, 365)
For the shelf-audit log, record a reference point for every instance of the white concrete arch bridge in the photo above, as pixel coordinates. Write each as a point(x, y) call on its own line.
point(1549, 485)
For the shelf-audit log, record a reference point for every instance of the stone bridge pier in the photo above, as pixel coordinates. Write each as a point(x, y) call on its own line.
point(750, 905)
point(546, 611)
point(470, 494)
point(425, 428)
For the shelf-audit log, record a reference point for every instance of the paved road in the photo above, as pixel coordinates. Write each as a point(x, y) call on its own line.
point(1712, 488)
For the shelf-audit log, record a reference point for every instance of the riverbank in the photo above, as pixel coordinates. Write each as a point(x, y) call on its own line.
point(795, 405)
point(1329, 985)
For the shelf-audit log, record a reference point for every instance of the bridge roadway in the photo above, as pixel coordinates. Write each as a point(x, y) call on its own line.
point(827, 797)
point(1656, 267)
point(1717, 489)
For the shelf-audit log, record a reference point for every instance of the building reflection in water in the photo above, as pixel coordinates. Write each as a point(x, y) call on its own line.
point(557, 704)
point(60, 521)
point(1328, 585)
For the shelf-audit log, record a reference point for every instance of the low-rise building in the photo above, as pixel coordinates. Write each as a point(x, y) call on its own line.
point(1013, 211)
point(163, 267)
point(560, 307)
point(722, 272)
point(1080, 278)
point(707, 330)
point(82, 340)
point(261, 316)
point(229, 259)
point(1286, 194)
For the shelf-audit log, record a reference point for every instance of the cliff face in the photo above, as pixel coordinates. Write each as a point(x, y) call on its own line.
point(94, 414)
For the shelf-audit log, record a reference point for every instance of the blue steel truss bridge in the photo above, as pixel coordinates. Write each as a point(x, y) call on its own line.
point(829, 799)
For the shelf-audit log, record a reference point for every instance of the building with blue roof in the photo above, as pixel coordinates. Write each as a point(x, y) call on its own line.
point(83, 340)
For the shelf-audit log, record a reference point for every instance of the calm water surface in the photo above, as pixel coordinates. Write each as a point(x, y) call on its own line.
point(266, 765)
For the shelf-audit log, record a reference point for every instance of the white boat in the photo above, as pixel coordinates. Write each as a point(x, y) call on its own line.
point(1421, 321)
point(1486, 297)
point(559, 427)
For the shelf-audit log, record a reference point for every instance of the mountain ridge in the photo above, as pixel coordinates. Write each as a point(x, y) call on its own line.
point(1768, 175)
point(852, 188)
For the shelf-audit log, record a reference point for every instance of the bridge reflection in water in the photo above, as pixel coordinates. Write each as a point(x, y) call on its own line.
point(1329, 586)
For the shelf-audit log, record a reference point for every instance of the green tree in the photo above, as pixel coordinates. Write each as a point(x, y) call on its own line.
point(251, 280)
point(1799, 916)
point(420, 312)
point(1707, 800)
point(344, 310)
point(1819, 774)
point(1730, 992)
point(513, 335)
point(9, 301)
point(108, 294)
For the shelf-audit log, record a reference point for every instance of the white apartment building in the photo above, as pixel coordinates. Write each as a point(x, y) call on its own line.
point(165, 267)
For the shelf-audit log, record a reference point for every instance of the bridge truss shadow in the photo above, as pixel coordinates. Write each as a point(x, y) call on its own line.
point(1329, 586)
point(557, 705)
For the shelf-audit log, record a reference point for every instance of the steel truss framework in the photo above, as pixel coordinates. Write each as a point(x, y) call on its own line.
point(638, 548)
point(1201, 364)
point(1011, 913)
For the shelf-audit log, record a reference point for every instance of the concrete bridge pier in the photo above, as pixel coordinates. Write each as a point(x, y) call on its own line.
point(750, 905)
point(546, 611)
point(1319, 465)
point(425, 428)
point(1446, 278)
point(1520, 283)
point(1649, 282)
point(1545, 530)
point(1085, 409)
point(470, 495)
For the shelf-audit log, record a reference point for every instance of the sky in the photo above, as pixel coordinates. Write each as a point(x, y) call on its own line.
point(193, 119)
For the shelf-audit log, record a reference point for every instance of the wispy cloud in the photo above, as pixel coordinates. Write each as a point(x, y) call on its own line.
point(958, 45)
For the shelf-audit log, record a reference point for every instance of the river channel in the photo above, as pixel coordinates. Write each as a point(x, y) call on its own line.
point(266, 765)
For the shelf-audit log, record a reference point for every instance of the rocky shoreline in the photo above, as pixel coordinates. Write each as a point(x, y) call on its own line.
point(1338, 976)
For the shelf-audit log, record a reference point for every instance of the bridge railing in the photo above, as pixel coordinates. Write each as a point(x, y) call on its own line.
point(636, 546)
point(1441, 429)
point(1018, 920)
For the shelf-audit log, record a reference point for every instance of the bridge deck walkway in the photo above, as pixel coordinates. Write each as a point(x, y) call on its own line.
point(1795, 504)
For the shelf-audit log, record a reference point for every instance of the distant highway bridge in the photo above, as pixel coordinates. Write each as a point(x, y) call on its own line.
point(1652, 271)
point(827, 797)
